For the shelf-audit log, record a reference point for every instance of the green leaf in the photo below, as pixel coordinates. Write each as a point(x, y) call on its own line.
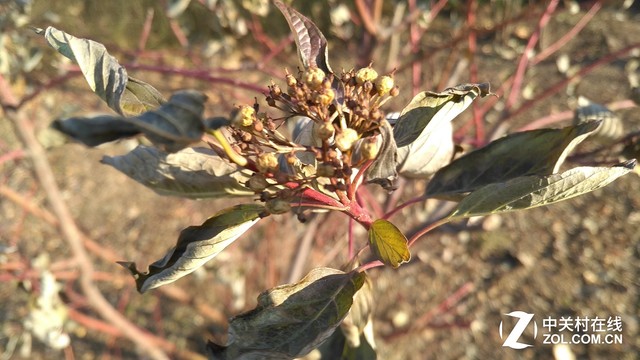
point(388, 243)
point(383, 170)
point(337, 347)
point(532, 191)
point(312, 45)
point(291, 320)
point(192, 172)
point(173, 126)
point(96, 130)
point(197, 245)
point(535, 152)
point(105, 76)
point(423, 133)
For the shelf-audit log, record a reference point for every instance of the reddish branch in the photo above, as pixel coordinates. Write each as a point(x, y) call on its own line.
point(70, 230)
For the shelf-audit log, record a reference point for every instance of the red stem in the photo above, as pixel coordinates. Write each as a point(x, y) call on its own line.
point(473, 66)
point(516, 87)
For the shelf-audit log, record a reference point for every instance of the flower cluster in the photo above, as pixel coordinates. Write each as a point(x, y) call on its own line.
point(338, 121)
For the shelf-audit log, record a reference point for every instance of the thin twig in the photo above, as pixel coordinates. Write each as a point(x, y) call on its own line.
point(516, 87)
point(304, 248)
point(72, 234)
point(570, 35)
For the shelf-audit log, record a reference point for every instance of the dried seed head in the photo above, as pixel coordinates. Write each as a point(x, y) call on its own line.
point(245, 136)
point(291, 80)
point(370, 149)
point(277, 206)
point(258, 127)
point(275, 90)
point(292, 159)
point(266, 162)
point(325, 131)
point(325, 98)
point(384, 85)
point(245, 116)
point(257, 183)
point(366, 74)
point(313, 77)
point(346, 139)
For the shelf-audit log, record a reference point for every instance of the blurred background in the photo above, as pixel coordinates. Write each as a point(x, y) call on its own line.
point(574, 259)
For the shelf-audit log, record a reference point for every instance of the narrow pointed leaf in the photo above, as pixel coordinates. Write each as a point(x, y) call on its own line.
point(532, 191)
point(535, 152)
point(291, 320)
point(192, 172)
point(103, 73)
point(197, 245)
point(173, 126)
point(388, 243)
point(422, 132)
point(139, 97)
point(312, 45)
point(383, 170)
point(96, 130)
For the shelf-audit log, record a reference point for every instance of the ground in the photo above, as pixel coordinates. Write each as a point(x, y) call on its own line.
point(576, 259)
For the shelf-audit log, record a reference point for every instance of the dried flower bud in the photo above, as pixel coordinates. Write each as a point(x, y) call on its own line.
point(384, 85)
point(257, 183)
point(277, 206)
point(271, 101)
point(346, 139)
point(267, 162)
point(258, 127)
point(325, 98)
point(366, 74)
point(369, 149)
point(246, 137)
point(275, 90)
point(292, 159)
point(244, 116)
point(313, 77)
point(325, 170)
point(291, 80)
point(325, 131)
point(395, 91)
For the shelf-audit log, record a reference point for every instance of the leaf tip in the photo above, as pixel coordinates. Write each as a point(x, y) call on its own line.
point(629, 164)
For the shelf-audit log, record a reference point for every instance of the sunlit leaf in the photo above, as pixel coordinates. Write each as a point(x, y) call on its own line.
point(96, 130)
point(173, 126)
point(611, 128)
point(140, 97)
point(312, 45)
point(388, 243)
point(423, 130)
point(104, 74)
point(533, 191)
point(197, 245)
point(535, 152)
point(291, 320)
point(192, 172)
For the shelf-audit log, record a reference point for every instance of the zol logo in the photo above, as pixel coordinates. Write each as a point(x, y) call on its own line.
point(523, 321)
